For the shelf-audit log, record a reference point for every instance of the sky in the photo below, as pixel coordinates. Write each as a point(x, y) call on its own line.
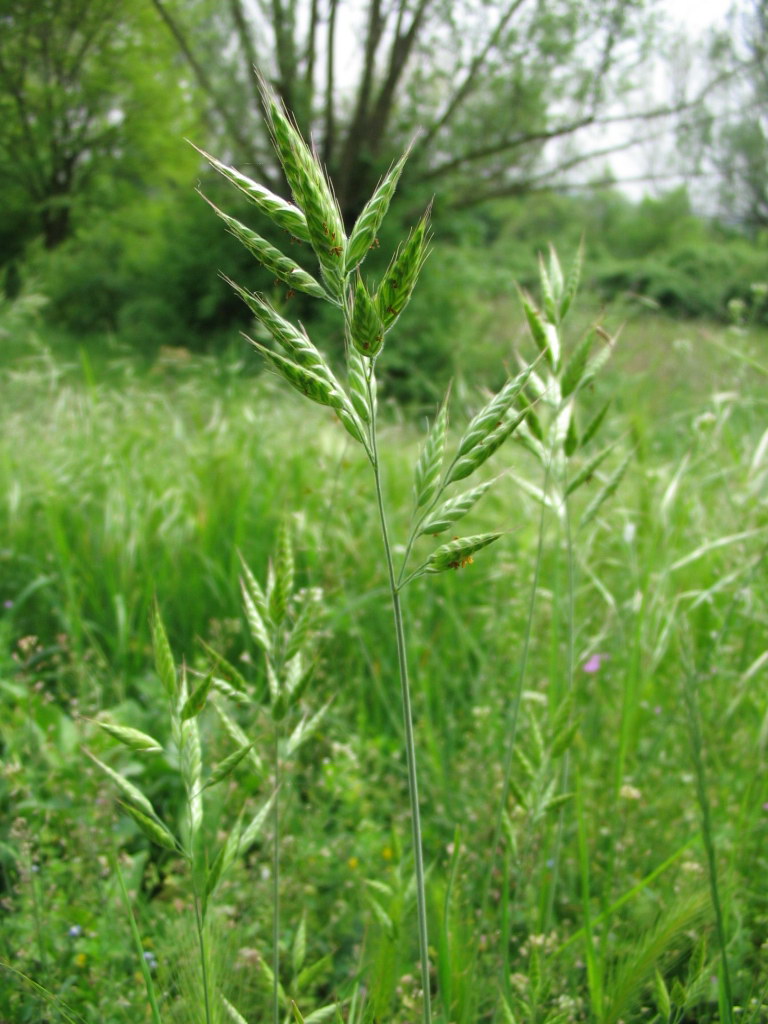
point(697, 14)
point(650, 167)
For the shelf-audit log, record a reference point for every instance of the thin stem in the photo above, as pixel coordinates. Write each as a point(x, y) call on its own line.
point(276, 885)
point(41, 950)
point(150, 988)
point(203, 958)
point(199, 914)
point(410, 745)
point(514, 709)
point(694, 725)
point(416, 526)
point(570, 631)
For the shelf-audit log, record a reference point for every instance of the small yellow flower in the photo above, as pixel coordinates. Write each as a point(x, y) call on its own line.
point(353, 863)
point(386, 853)
point(81, 960)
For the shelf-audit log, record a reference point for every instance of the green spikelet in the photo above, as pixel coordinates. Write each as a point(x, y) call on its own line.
point(543, 332)
point(403, 272)
point(152, 828)
point(164, 665)
point(594, 425)
point(357, 371)
point(132, 738)
point(608, 490)
point(491, 415)
point(572, 281)
point(313, 195)
point(366, 329)
point(367, 226)
point(427, 475)
point(284, 214)
point(276, 262)
point(576, 365)
point(454, 509)
point(284, 573)
point(307, 383)
point(458, 553)
point(481, 452)
point(587, 471)
point(293, 340)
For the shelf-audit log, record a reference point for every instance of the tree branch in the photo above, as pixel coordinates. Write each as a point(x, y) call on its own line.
point(544, 180)
point(468, 83)
point(204, 81)
point(402, 47)
point(357, 131)
point(249, 50)
point(569, 128)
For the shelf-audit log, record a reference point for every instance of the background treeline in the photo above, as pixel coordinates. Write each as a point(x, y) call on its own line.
point(99, 216)
point(144, 272)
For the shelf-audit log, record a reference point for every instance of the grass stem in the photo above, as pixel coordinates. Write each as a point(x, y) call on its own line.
point(410, 745)
point(694, 725)
point(276, 885)
point(200, 925)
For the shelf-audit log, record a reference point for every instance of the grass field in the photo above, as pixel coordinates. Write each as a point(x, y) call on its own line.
point(583, 890)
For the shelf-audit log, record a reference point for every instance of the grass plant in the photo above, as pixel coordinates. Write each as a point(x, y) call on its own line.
point(368, 314)
point(579, 864)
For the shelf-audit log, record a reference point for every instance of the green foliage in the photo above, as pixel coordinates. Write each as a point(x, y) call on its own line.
point(165, 474)
point(79, 115)
point(655, 252)
point(139, 274)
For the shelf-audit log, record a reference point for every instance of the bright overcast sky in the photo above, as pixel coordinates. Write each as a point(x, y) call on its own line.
point(697, 14)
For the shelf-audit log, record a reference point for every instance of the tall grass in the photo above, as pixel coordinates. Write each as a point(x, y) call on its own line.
point(603, 901)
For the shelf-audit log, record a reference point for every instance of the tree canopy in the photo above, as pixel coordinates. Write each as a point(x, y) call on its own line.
point(87, 94)
point(500, 90)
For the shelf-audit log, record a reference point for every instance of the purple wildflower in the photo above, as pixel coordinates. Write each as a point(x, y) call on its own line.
point(593, 663)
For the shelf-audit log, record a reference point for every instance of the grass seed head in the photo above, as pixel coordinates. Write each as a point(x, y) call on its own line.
point(400, 279)
point(454, 509)
point(281, 212)
point(313, 194)
point(544, 333)
point(426, 480)
point(293, 340)
point(366, 329)
point(467, 464)
point(367, 226)
point(458, 553)
point(275, 261)
point(492, 414)
point(576, 365)
point(317, 389)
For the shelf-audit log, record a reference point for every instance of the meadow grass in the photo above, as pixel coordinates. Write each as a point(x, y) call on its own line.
point(119, 486)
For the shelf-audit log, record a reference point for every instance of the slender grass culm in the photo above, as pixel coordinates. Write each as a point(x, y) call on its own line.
point(367, 316)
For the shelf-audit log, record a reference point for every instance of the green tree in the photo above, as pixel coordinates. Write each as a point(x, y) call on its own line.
point(500, 89)
point(727, 146)
point(87, 94)
point(743, 143)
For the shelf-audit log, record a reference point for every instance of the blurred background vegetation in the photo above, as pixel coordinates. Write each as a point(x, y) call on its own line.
point(533, 123)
